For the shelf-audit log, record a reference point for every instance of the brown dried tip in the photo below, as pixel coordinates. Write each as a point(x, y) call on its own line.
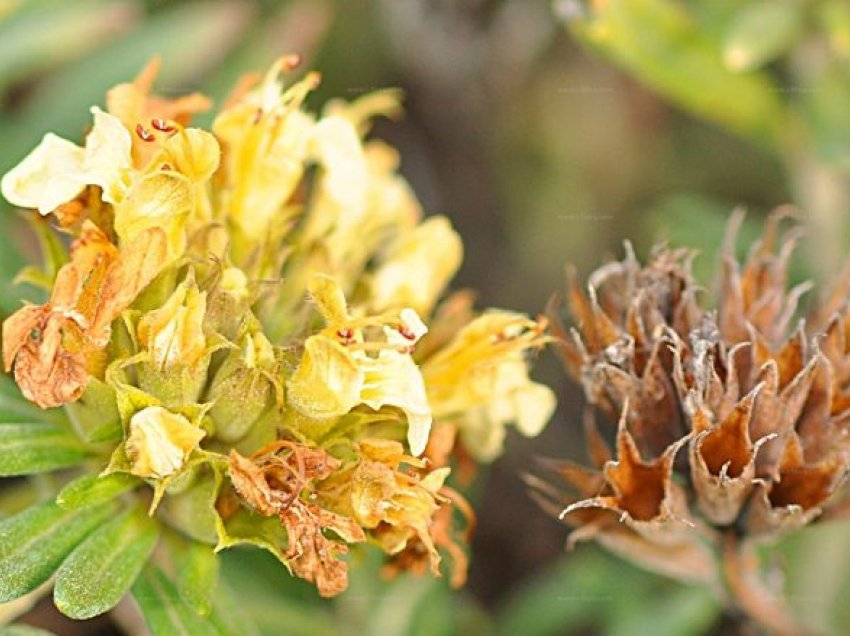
point(760, 397)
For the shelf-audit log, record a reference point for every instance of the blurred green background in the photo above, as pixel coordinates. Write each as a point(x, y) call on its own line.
point(549, 132)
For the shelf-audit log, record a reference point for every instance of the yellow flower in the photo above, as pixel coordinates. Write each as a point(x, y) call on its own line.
point(480, 380)
point(340, 369)
point(132, 103)
point(160, 442)
point(174, 333)
point(265, 139)
point(161, 199)
point(418, 267)
point(515, 400)
point(57, 170)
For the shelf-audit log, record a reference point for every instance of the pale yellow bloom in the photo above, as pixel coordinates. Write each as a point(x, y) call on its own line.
point(332, 379)
point(393, 379)
point(174, 333)
point(480, 380)
point(193, 152)
point(265, 138)
point(160, 442)
point(515, 400)
point(346, 230)
point(361, 111)
point(328, 380)
point(336, 147)
point(57, 170)
point(340, 369)
point(160, 199)
point(417, 269)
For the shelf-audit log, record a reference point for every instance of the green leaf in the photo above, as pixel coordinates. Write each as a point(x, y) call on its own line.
point(13, 406)
point(661, 44)
point(35, 542)
point(833, 17)
point(197, 575)
point(273, 599)
point(48, 33)
point(230, 616)
point(165, 612)
point(761, 32)
point(37, 447)
point(91, 490)
point(96, 575)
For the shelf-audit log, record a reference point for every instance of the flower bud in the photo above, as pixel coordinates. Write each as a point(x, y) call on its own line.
point(159, 442)
point(174, 334)
point(174, 337)
point(243, 388)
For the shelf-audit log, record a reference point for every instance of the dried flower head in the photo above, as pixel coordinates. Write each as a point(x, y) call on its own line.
point(732, 421)
point(250, 321)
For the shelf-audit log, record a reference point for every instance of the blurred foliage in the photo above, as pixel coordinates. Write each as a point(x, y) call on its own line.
point(542, 154)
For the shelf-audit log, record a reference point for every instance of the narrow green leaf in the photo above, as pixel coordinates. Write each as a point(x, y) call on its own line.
point(662, 46)
point(197, 575)
point(96, 575)
point(165, 612)
point(34, 543)
point(13, 406)
point(37, 447)
point(91, 490)
point(761, 32)
point(49, 33)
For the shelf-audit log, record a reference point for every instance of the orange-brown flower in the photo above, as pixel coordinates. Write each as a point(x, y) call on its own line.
point(406, 508)
point(733, 423)
point(54, 348)
point(280, 480)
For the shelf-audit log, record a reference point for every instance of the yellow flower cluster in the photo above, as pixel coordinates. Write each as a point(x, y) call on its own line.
point(257, 310)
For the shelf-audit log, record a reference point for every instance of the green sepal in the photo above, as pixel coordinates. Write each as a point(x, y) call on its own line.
point(102, 568)
point(248, 527)
point(91, 490)
point(37, 447)
point(95, 415)
point(34, 543)
point(192, 510)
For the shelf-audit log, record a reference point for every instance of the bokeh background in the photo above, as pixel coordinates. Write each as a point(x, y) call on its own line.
point(549, 132)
